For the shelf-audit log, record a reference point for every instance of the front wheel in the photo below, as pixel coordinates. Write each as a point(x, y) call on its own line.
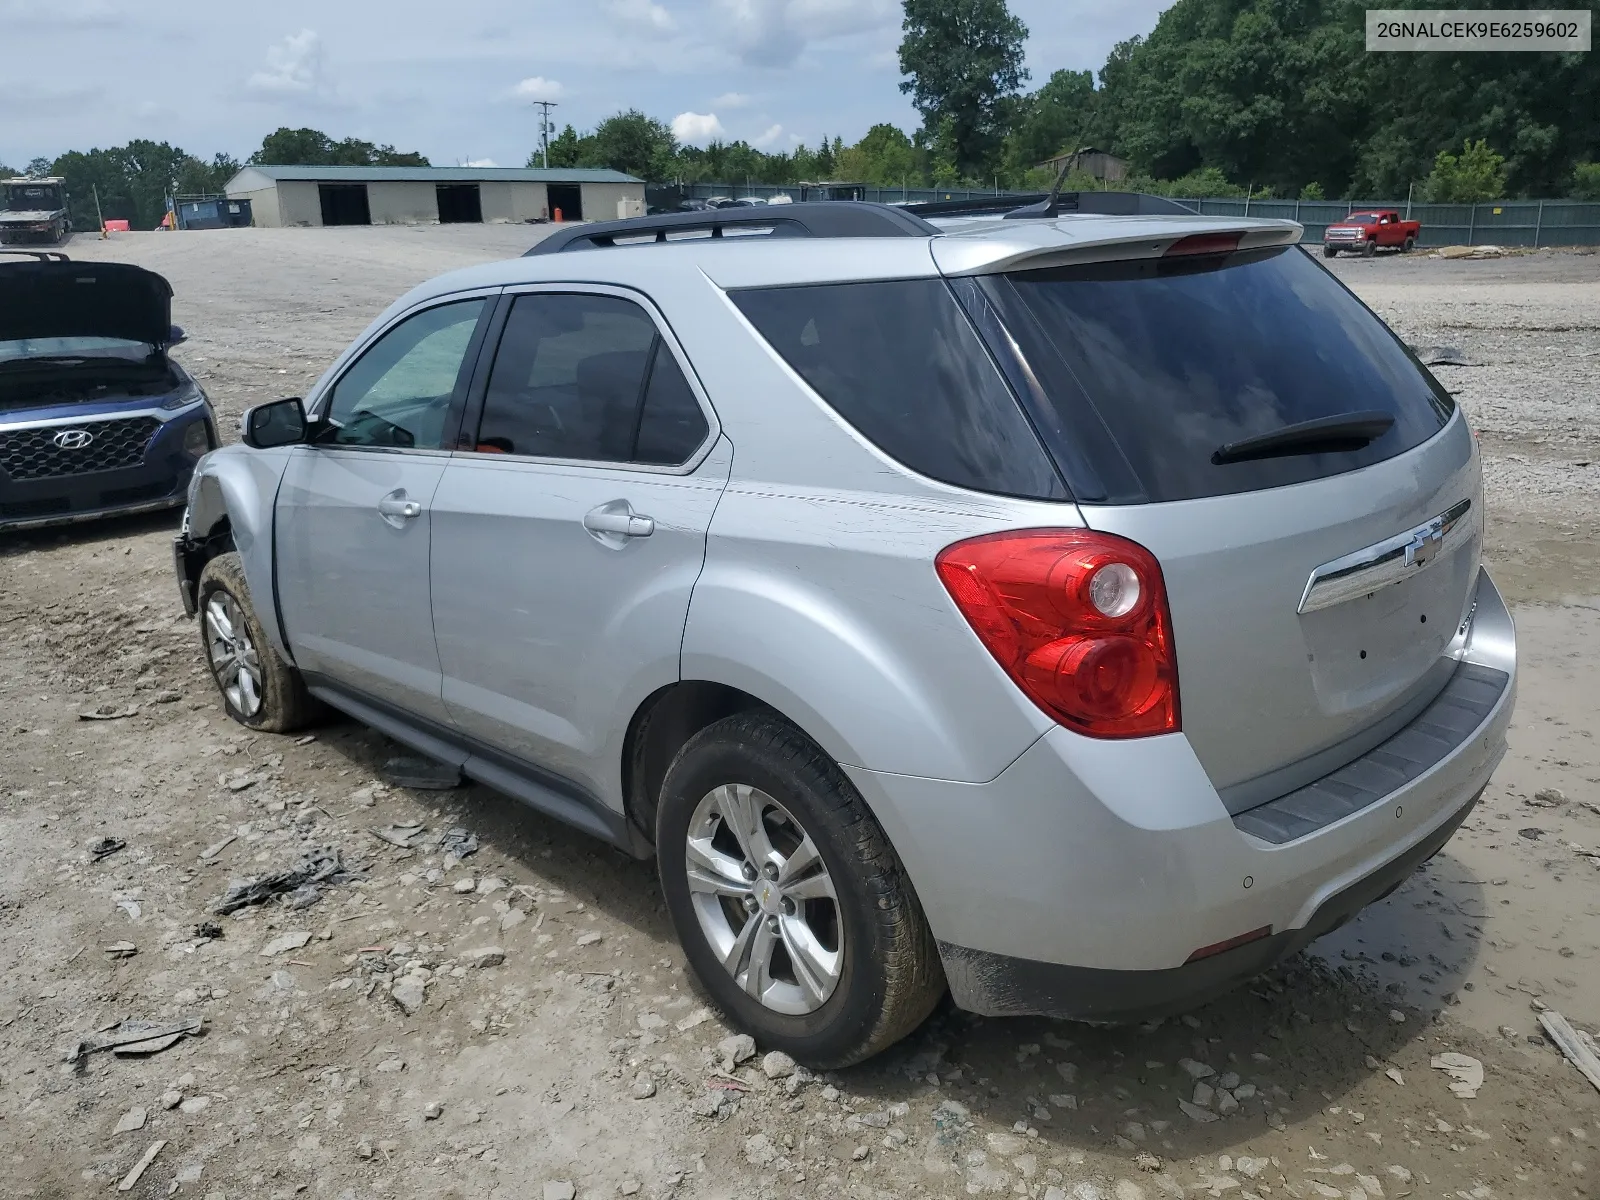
point(1330, 252)
point(794, 912)
point(1369, 247)
point(259, 690)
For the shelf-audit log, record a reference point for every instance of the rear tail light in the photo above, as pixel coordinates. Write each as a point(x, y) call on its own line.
point(1078, 620)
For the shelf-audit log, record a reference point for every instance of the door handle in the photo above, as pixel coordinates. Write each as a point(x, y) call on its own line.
point(619, 520)
point(395, 505)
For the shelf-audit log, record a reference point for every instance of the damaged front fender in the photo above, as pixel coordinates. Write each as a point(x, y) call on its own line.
point(231, 499)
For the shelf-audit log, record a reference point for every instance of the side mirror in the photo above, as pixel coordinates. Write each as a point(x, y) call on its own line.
point(280, 423)
point(176, 336)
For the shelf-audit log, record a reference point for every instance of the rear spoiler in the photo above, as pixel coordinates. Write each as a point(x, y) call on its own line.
point(1043, 205)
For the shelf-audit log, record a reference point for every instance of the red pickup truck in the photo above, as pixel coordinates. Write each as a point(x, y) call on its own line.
point(1368, 231)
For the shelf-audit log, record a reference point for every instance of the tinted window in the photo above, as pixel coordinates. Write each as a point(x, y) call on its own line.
point(399, 392)
point(1146, 368)
point(568, 378)
point(671, 426)
point(901, 363)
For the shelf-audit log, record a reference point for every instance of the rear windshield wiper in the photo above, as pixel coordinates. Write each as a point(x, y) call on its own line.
point(1321, 435)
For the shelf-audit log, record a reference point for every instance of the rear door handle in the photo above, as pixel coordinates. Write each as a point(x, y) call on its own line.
point(618, 520)
point(396, 505)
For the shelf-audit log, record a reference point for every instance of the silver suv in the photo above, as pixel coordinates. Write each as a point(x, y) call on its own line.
point(1079, 613)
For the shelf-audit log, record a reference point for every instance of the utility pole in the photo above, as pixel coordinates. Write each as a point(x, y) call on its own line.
point(545, 128)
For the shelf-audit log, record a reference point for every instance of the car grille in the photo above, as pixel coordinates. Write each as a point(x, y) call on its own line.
point(33, 453)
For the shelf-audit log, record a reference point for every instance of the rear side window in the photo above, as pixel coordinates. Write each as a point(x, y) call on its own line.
point(1145, 368)
point(588, 377)
point(902, 364)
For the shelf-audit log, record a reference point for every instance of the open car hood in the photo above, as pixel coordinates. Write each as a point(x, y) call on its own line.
point(84, 299)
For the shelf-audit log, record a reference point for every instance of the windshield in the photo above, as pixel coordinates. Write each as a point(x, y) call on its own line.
point(1361, 219)
point(73, 347)
point(25, 197)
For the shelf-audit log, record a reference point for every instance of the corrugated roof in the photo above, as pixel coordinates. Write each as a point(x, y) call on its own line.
point(434, 175)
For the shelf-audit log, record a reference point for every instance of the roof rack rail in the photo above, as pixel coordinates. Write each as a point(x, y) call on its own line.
point(41, 255)
point(978, 206)
point(821, 219)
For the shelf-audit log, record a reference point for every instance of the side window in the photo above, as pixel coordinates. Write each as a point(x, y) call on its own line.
point(672, 425)
point(573, 378)
point(399, 392)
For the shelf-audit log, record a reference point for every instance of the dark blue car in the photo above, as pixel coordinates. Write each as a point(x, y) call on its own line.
point(95, 418)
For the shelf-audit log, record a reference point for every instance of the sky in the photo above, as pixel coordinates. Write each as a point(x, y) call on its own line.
point(455, 79)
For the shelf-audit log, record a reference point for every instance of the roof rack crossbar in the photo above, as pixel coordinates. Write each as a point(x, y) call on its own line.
point(41, 255)
point(822, 219)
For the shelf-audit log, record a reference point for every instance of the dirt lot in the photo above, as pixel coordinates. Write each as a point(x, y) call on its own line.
point(583, 1064)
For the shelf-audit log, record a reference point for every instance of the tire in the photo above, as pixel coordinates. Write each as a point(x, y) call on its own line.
point(1369, 247)
point(1410, 245)
point(1330, 252)
point(880, 968)
point(276, 700)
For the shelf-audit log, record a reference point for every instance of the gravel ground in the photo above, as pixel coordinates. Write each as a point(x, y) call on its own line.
point(517, 1023)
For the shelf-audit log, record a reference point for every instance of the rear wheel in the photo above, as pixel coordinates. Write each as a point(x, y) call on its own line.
point(259, 689)
point(794, 912)
point(1411, 244)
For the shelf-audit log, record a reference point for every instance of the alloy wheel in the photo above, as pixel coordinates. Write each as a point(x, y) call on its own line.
point(764, 899)
point(233, 654)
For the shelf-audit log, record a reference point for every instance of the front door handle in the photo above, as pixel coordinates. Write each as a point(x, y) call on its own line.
point(396, 507)
point(617, 519)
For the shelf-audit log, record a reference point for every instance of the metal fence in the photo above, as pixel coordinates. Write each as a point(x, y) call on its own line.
point(1499, 223)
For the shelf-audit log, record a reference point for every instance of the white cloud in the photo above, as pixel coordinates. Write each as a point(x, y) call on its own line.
point(480, 162)
point(644, 14)
point(537, 87)
point(696, 129)
point(294, 67)
point(773, 133)
point(731, 100)
point(773, 33)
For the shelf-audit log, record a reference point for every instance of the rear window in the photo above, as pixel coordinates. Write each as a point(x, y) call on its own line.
point(902, 364)
point(1138, 371)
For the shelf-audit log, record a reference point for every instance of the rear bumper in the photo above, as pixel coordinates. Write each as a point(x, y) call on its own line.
point(1080, 882)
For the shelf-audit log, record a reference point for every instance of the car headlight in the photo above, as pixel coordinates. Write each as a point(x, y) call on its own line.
point(198, 439)
point(188, 394)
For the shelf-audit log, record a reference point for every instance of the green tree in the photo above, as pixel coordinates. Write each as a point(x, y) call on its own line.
point(39, 168)
point(199, 178)
point(963, 59)
point(1585, 181)
point(6, 172)
point(1312, 191)
point(1055, 119)
point(564, 150)
point(633, 143)
point(1477, 173)
point(313, 148)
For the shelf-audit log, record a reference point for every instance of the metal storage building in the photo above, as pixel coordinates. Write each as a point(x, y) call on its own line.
point(282, 196)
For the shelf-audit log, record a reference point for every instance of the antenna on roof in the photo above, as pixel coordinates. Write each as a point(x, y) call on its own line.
point(1047, 206)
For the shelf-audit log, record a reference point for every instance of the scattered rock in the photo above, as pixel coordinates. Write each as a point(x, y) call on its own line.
point(407, 995)
point(363, 1149)
point(284, 943)
point(1394, 1074)
point(121, 949)
point(192, 1106)
point(859, 1154)
point(1196, 1113)
point(432, 1111)
point(1196, 1070)
point(464, 887)
point(423, 773)
point(131, 1179)
point(590, 939)
point(1464, 1070)
point(643, 1086)
point(390, 1065)
point(511, 918)
point(1204, 1093)
point(695, 1019)
point(1228, 1081)
point(484, 956)
point(741, 1047)
point(759, 1150)
point(559, 1189)
point(777, 1065)
point(130, 1121)
point(171, 1099)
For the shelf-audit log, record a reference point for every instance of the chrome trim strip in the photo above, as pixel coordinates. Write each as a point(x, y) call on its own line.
point(1384, 563)
point(161, 414)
